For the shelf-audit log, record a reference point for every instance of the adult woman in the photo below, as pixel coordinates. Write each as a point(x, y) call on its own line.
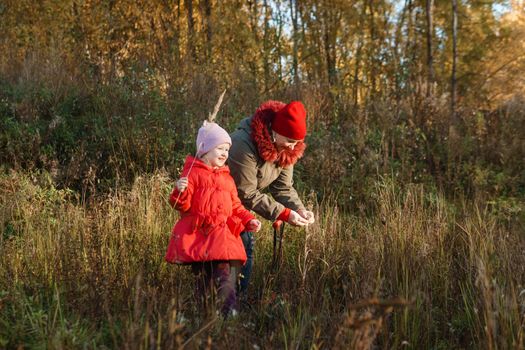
point(264, 149)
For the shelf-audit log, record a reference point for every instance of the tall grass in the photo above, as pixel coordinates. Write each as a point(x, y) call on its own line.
point(421, 272)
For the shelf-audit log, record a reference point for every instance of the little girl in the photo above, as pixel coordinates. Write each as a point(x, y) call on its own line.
point(207, 235)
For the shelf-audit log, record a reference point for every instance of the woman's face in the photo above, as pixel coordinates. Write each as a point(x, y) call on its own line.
point(282, 142)
point(217, 156)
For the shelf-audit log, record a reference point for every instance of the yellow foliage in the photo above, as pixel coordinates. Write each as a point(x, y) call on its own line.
point(505, 64)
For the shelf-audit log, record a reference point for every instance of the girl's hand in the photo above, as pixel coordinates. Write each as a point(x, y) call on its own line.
point(253, 225)
point(182, 183)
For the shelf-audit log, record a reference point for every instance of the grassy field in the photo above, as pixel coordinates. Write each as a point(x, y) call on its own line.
point(416, 271)
point(416, 114)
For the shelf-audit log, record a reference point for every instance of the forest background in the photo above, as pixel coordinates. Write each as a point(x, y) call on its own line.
point(414, 167)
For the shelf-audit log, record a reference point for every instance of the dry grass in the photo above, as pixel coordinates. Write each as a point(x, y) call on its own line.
point(421, 272)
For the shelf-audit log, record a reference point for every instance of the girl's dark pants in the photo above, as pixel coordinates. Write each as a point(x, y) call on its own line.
point(220, 277)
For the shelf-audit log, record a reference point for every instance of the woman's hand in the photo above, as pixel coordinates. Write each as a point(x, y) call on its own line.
point(307, 215)
point(182, 183)
point(296, 219)
point(253, 225)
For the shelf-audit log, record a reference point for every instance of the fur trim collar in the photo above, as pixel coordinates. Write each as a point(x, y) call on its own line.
point(261, 136)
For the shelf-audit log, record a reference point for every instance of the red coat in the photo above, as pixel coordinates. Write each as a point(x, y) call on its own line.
point(212, 217)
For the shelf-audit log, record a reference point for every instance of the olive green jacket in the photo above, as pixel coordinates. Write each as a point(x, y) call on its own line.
point(252, 175)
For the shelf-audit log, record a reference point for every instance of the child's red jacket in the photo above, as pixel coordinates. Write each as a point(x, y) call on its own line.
point(212, 217)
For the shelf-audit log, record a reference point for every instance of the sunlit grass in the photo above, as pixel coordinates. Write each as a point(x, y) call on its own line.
point(420, 271)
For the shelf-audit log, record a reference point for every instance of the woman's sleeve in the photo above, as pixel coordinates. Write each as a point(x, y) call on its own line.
point(243, 167)
point(282, 190)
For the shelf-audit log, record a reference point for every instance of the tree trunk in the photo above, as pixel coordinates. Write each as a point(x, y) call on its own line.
point(409, 48)
point(295, 61)
point(177, 36)
point(454, 155)
point(372, 55)
point(266, 47)
point(328, 22)
point(357, 66)
point(191, 30)
point(209, 33)
point(254, 17)
point(78, 33)
point(397, 56)
point(278, 42)
point(454, 59)
point(113, 46)
point(430, 58)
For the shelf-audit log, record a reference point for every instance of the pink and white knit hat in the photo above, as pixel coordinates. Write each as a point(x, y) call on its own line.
point(211, 135)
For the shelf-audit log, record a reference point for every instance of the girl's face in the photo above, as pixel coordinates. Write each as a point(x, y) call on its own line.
point(217, 156)
point(282, 142)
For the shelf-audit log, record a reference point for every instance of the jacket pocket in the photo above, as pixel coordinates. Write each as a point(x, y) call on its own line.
point(235, 225)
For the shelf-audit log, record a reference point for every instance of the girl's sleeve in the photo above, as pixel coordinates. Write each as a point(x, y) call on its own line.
point(182, 200)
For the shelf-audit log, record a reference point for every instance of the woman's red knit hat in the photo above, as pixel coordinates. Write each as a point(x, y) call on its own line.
point(290, 121)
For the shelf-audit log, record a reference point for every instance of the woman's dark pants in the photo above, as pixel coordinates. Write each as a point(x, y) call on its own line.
point(249, 241)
